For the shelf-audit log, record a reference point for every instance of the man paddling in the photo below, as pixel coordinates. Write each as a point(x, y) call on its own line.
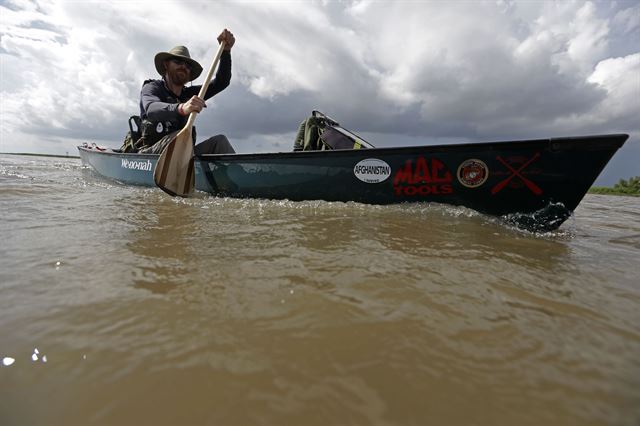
point(165, 104)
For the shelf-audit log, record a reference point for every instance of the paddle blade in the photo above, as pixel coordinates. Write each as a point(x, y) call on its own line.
point(174, 172)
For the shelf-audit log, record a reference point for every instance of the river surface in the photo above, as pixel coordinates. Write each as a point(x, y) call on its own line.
point(120, 305)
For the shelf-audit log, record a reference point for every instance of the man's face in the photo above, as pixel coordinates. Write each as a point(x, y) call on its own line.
point(178, 71)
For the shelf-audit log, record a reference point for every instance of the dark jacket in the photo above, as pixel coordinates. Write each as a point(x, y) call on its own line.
point(159, 105)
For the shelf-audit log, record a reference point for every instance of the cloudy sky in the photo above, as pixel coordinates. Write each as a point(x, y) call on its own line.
point(398, 73)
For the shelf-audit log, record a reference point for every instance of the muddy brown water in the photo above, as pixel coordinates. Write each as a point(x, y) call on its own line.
point(120, 305)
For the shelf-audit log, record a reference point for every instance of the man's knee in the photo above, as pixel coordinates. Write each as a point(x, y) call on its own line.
point(218, 144)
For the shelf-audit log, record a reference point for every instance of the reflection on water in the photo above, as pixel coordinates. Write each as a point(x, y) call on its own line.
point(140, 309)
point(160, 243)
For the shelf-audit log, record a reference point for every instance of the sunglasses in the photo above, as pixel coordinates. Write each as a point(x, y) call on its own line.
point(181, 62)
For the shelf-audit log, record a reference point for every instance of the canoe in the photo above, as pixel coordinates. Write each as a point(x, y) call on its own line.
point(534, 184)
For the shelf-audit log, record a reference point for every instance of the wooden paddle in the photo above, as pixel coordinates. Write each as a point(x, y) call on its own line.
point(174, 172)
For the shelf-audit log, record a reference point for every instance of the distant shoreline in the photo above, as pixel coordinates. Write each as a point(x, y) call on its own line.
point(603, 190)
point(40, 155)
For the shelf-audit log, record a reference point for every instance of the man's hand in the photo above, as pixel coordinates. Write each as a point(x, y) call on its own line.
point(228, 38)
point(195, 104)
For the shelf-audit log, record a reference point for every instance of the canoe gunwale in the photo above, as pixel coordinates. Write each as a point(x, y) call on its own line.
point(606, 141)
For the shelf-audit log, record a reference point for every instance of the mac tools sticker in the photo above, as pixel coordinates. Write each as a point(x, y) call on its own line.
point(372, 170)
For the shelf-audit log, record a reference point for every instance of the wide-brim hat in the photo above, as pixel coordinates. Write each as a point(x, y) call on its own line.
point(179, 52)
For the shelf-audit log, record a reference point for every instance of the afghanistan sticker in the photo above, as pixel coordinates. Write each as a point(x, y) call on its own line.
point(472, 173)
point(372, 170)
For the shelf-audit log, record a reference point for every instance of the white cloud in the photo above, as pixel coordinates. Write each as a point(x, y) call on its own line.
point(620, 77)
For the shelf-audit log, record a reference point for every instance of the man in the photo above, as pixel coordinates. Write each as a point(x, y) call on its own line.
point(165, 104)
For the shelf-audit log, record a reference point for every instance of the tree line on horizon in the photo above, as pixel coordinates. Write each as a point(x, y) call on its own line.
point(623, 187)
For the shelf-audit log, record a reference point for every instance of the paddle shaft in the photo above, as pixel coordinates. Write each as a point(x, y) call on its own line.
point(205, 85)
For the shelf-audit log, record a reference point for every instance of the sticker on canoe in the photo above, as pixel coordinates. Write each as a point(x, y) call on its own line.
point(372, 170)
point(422, 176)
point(472, 173)
point(136, 165)
point(521, 164)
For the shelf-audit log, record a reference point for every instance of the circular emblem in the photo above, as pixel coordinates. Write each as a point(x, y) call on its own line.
point(372, 170)
point(159, 128)
point(472, 173)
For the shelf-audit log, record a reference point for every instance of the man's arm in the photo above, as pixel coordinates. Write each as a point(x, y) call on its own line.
point(223, 76)
point(152, 105)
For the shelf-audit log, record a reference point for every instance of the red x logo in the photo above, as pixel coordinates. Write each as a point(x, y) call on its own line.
point(532, 186)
